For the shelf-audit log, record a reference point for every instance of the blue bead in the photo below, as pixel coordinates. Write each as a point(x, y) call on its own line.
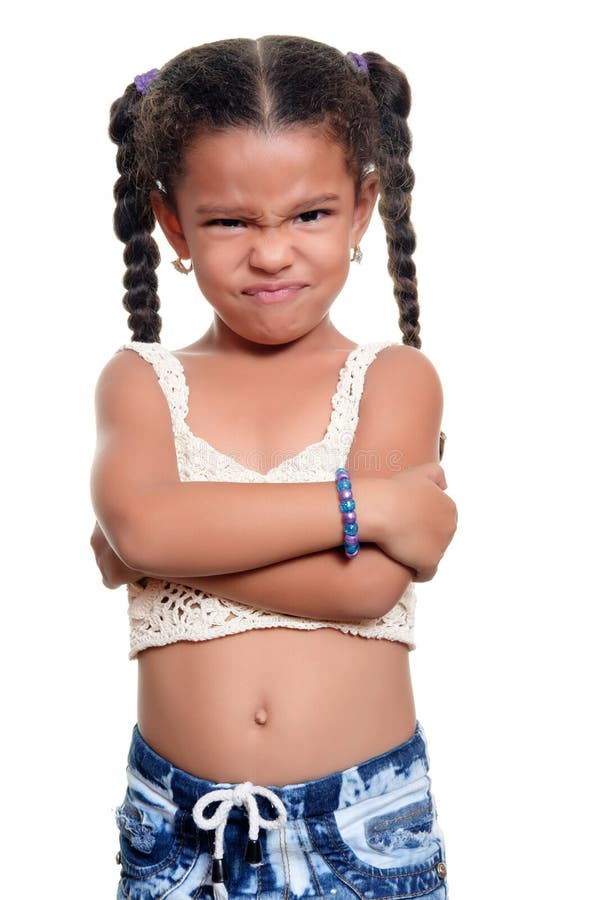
point(350, 552)
point(347, 505)
point(341, 471)
point(350, 528)
point(344, 484)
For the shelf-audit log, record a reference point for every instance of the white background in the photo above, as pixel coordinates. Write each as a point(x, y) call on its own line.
point(505, 152)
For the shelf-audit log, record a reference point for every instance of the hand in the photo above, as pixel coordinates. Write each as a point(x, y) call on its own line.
point(114, 571)
point(420, 519)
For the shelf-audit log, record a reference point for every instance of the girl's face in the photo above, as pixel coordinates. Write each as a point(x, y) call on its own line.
point(269, 222)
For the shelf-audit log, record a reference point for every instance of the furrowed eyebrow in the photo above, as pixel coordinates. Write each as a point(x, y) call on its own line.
point(315, 201)
point(234, 212)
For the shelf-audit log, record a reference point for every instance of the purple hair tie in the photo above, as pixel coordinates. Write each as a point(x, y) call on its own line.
point(359, 61)
point(142, 81)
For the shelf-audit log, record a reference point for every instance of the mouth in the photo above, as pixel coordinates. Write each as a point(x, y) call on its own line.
point(273, 293)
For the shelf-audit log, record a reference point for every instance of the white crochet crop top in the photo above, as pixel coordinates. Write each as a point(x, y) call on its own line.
point(163, 612)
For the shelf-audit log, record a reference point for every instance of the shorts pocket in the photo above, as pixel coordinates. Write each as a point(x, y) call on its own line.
point(388, 846)
point(152, 853)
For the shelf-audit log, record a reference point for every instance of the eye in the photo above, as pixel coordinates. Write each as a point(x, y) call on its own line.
point(225, 223)
point(311, 215)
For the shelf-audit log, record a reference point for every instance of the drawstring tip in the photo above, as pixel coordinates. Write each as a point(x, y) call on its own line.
point(219, 871)
point(253, 854)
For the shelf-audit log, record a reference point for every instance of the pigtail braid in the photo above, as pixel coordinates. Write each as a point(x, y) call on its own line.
point(393, 97)
point(392, 94)
point(133, 222)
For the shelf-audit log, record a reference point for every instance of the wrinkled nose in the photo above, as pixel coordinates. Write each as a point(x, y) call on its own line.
point(271, 250)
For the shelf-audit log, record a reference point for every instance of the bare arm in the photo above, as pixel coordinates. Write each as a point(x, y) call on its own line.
point(401, 414)
point(159, 525)
point(309, 586)
point(318, 585)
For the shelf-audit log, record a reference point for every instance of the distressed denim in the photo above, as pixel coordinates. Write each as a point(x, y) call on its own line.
point(369, 831)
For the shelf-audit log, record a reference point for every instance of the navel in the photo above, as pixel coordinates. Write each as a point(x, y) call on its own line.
point(260, 716)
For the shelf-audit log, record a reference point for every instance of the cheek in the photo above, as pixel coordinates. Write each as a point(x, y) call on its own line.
point(332, 256)
point(213, 261)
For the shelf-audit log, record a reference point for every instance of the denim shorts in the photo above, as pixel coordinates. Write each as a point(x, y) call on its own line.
point(369, 831)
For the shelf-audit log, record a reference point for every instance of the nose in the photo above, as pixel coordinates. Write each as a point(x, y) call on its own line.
point(271, 249)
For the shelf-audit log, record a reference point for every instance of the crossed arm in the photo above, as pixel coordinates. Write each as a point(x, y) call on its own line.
point(326, 585)
point(316, 585)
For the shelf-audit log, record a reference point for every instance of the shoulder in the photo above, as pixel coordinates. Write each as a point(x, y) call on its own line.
point(408, 360)
point(125, 382)
point(408, 371)
point(122, 368)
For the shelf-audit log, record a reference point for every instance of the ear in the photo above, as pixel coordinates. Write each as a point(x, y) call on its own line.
point(364, 206)
point(166, 217)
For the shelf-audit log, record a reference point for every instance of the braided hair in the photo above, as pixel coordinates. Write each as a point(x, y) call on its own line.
point(270, 84)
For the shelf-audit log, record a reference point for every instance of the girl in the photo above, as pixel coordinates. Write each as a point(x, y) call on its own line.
point(277, 752)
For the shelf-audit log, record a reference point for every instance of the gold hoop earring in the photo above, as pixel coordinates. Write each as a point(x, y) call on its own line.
point(178, 264)
point(357, 254)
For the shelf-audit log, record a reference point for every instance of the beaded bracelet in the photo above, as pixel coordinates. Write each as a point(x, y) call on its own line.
point(347, 508)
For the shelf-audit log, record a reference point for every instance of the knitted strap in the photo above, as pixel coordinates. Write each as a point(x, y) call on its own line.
point(169, 372)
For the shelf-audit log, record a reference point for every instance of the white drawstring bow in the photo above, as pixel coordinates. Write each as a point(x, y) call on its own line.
point(240, 795)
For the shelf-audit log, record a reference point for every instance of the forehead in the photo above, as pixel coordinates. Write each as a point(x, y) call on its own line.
point(245, 163)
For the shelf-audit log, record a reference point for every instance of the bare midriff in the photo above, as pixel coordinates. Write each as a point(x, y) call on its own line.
point(275, 706)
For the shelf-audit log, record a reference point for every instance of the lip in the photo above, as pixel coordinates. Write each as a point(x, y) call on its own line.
point(273, 291)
